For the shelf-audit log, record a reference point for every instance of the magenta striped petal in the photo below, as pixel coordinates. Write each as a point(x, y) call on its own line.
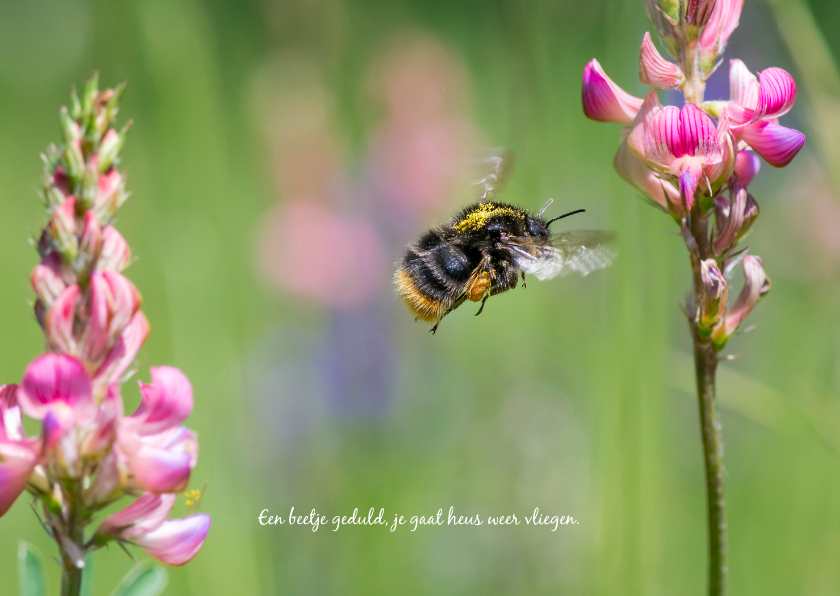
point(603, 100)
point(747, 165)
point(53, 379)
point(654, 70)
point(176, 541)
point(720, 171)
point(699, 137)
point(776, 93)
point(663, 141)
point(144, 515)
point(776, 144)
point(743, 85)
point(165, 403)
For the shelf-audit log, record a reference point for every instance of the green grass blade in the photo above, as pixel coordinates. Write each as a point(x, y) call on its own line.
point(30, 570)
point(145, 579)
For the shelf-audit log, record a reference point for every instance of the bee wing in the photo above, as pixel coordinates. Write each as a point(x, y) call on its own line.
point(578, 251)
point(492, 171)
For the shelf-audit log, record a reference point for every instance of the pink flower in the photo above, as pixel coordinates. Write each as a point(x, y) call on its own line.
point(47, 280)
point(637, 173)
point(682, 141)
point(124, 350)
point(722, 22)
point(713, 302)
point(654, 70)
point(91, 235)
point(159, 453)
point(176, 541)
point(756, 286)
point(58, 324)
point(754, 108)
point(113, 302)
point(605, 101)
point(62, 228)
point(55, 383)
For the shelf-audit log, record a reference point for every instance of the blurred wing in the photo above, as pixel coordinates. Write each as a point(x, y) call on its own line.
point(492, 171)
point(579, 251)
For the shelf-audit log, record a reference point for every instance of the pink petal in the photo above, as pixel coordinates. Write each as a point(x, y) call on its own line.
point(605, 101)
point(176, 541)
point(756, 285)
point(108, 417)
point(124, 350)
point(634, 171)
point(110, 184)
point(56, 423)
point(663, 141)
point(776, 94)
point(46, 279)
point(17, 460)
point(698, 12)
point(63, 223)
point(144, 515)
point(53, 379)
point(747, 165)
point(743, 85)
point(125, 301)
point(654, 70)
point(726, 229)
point(110, 479)
point(643, 123)
point(777, 144)
point(722, 22)
point(699, 138)
point(11, 422)
point(58, 325)
point(165, 403)
point(115, 253)
point(162, 462)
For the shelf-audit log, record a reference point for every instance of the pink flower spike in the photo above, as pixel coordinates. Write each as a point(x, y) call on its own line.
point(603, 100)
point(46, 279)
point(176, 541)
point(776, 94)
point(17, 460)
point(58, 324)
point(165, 403)
point(777, 144)
point(124, 350)
point(54, 380)
point(11, 422)
point(115, 253)
point(163, 462)
point(144, 515)
point(747, 165)
point(654, 70)
point(722, 23)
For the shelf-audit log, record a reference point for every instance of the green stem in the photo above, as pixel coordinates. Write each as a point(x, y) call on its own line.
point(705, 364)
point(71, 580)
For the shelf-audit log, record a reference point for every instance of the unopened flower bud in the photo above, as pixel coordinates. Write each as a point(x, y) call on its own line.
point(729, 218)
point(750, 215)
point(713, 301)
point(47, 280)
point(115, 253)
point(71, 129)
point(721, 23)
point(654, 70)
point(756, 286)
point(62, 228)
point(58, 323)
point(110, 194)
point(747, 165)
point(74, 160)
point(110, 147)
point(90, 184)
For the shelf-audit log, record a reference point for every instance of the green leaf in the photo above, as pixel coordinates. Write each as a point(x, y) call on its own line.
point(146, 579)
point(30, 570)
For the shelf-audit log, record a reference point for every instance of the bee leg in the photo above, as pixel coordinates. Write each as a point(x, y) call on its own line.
point(523, 280)
point(433, 329)
point(483, 300)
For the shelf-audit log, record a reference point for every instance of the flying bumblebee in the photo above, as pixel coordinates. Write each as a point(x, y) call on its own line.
point(484, 249)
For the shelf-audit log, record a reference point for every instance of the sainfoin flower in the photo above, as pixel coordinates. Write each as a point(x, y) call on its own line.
point(89, 453)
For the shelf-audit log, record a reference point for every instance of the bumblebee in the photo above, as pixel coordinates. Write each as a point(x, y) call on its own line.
point(485, 248)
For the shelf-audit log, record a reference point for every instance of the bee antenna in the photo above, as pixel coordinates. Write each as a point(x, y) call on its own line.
point(544, 207)
point(550, 221)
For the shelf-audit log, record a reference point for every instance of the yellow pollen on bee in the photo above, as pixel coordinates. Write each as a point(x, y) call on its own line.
point(476, 219)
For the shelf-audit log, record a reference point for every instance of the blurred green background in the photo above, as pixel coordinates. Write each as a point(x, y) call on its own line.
point(284, 152)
